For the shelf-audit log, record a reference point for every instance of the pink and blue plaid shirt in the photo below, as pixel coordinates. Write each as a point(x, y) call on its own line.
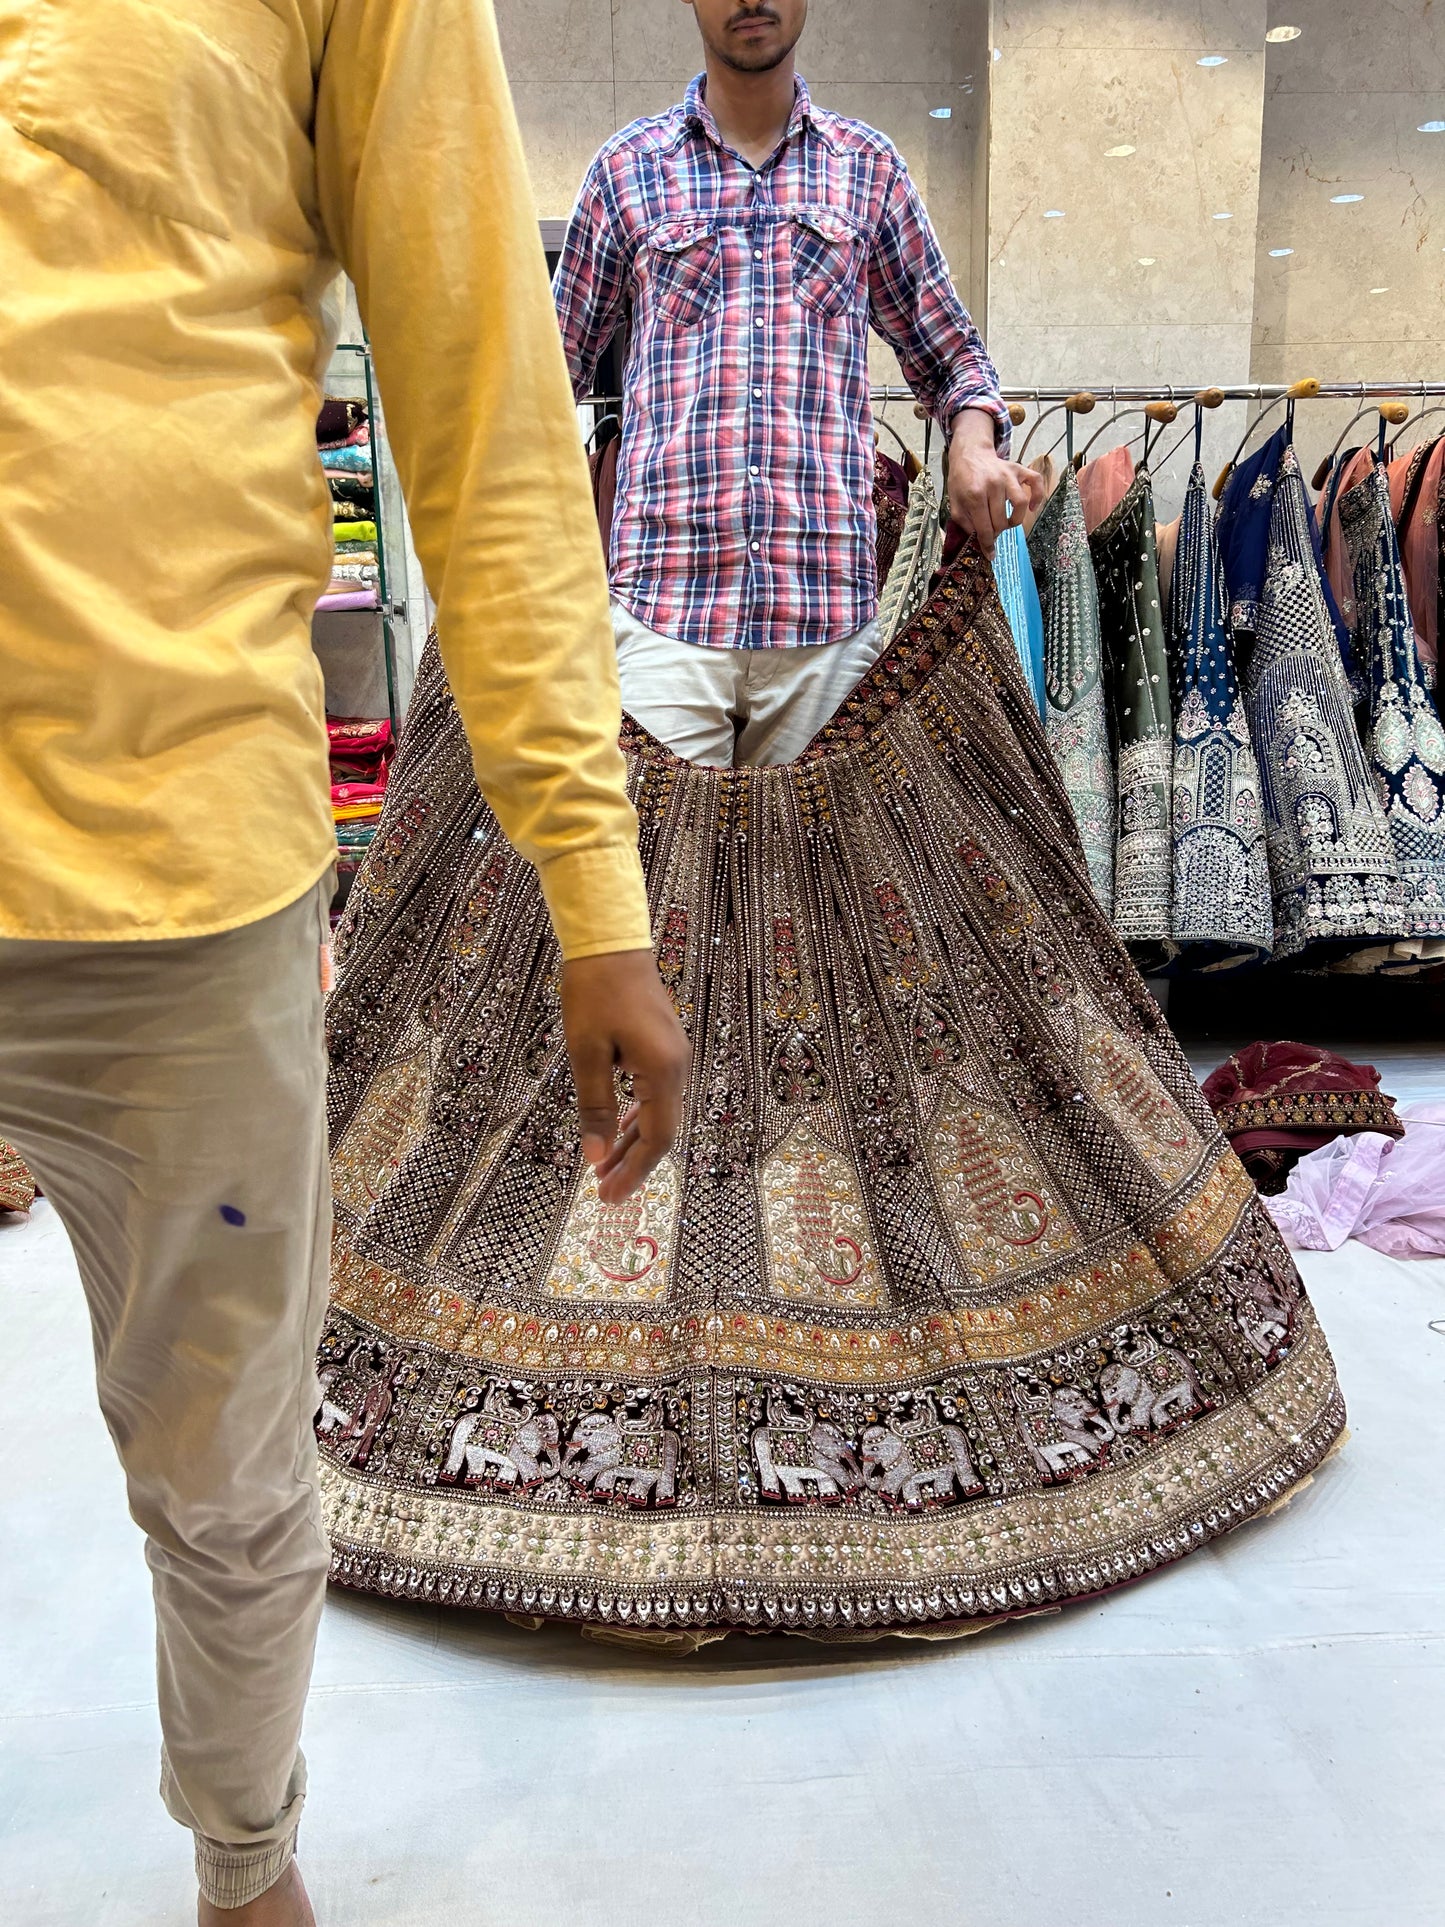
point(744, 513)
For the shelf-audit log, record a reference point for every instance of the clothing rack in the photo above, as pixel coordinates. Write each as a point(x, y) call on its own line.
point(1179, 392)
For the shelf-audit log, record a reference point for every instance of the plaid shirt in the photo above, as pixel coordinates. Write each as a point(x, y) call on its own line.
point(744, 514)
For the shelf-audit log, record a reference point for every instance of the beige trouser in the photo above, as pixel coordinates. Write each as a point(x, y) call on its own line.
point(170, 1098)
point(719, 707)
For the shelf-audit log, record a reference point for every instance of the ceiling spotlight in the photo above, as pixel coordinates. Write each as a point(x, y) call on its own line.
point(1344, 200)
point(940, 113)
point(1431, 127)
point(1277, 34)
point(1053, 214)
point(1119, 153)
point(1278, 254)
point(1212, 60)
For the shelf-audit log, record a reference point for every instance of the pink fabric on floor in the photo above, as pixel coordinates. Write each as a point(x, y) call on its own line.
point(1387, 1192)
point(1104, 483)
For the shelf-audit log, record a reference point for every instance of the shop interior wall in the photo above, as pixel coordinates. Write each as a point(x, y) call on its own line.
point(1362, 296)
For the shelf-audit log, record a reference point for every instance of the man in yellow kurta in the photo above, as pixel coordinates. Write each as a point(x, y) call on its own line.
point(179, 181)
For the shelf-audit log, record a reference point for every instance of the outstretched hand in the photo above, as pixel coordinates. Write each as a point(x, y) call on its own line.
point(617, 1016)
point(982, 486)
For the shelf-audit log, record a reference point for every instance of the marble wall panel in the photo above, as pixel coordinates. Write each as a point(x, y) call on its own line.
point(1126, 26)
point(1362, 294)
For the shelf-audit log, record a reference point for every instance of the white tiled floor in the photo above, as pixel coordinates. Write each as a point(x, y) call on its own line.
point(1255, 1737)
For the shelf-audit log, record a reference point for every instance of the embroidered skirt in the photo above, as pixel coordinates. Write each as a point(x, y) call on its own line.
point(952, 1301)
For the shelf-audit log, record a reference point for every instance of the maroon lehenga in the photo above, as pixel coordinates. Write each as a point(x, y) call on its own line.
point(952, 1301)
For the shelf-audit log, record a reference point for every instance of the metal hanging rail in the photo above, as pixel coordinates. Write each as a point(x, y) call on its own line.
point(1183, 394)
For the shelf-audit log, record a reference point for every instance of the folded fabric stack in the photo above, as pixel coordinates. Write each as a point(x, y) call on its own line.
point(1277, 1102)
point(360, 762)
point(343, 435)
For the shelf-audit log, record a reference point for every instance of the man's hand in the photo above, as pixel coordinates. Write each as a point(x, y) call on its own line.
point(618, 1016)
point(982, 485)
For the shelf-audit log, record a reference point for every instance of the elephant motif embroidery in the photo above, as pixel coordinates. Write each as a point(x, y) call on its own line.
point(356, 1399)
point(503, 1440)
point(1149, 1387)
point(1146, 1389)
point(918, 1460)
point(632, 1455)
point(801, 1457)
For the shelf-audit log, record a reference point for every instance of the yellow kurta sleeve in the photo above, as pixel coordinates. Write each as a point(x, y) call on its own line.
point(424, 194)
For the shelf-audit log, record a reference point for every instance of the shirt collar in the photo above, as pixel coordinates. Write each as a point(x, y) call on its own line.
point(697, 113)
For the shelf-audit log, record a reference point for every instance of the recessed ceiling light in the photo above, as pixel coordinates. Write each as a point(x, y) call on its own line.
point(1119, 153)
point(1278, 254)
point(1212, 60)
point(1224, 215)
point(940, 113)
point(1343, 200)
point(1276, 34)
point(1431, 127)
point(1053, 214)
point(1146, 260)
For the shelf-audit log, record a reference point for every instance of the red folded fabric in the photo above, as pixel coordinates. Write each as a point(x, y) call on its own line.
point(359, 792)
point(1276, 1101)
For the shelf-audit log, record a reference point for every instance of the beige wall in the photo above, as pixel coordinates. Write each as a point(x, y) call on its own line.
point(1342, 106)
point(1137, 281)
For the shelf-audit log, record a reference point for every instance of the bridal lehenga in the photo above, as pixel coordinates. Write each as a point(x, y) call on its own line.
point(951, 1303)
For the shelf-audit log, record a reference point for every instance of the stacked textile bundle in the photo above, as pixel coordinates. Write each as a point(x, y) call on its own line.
point(343, 435)
point(360, 761)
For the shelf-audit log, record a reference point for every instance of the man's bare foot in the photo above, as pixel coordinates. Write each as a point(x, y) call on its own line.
point(284, 1905)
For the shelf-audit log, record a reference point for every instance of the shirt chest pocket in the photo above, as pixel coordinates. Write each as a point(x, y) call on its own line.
point(176, 107)
point(827, 263)
point(686, 272)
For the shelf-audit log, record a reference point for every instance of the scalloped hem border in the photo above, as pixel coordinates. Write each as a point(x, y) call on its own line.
point(877, 1610)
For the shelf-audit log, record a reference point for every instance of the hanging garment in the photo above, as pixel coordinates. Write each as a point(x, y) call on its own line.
point(1387, 1194)
point(1166, 548)
point(1050, 473)
point(1221, 893)
point(915, 560)
point(1331, 859)
point(1136, 677)
point(951, 1302)
point(1103, 484)
point(1242, 530)
point(1275, 1102)
point(1348, 471)
point(1076, 717)
point(1417, 523)
point(1404, 742)
point(890, 507)
point(1019, 594)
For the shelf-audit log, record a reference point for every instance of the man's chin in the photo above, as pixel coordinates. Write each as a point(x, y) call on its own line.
point(744, 59)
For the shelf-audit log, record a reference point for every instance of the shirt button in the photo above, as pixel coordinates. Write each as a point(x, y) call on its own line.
point(757, 394)
point(757, 254)
point(755, 545)
point(757, 321)
point(755, 470)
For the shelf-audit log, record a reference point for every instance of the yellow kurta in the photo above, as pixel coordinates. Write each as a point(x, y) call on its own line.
point(179, 181)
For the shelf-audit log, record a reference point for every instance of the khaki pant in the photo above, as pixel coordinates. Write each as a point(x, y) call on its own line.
point(719, 707)
point(170, 1098)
